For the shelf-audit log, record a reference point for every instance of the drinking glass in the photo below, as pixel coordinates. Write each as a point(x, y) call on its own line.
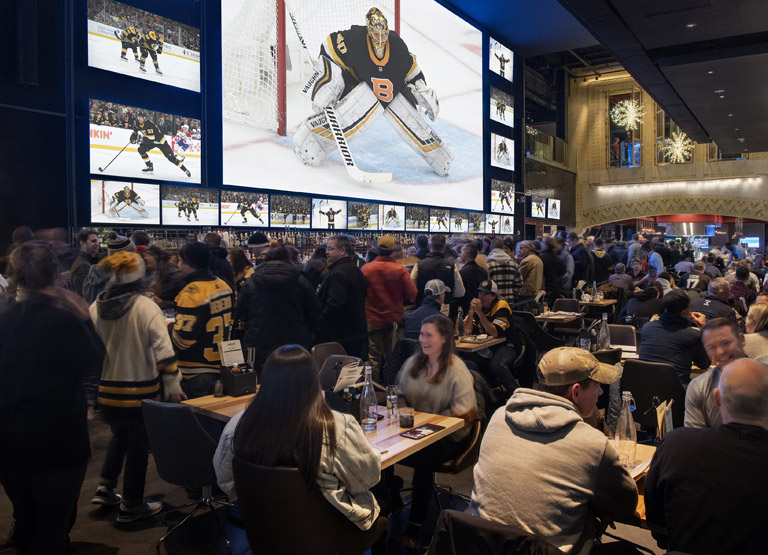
point(406, 417)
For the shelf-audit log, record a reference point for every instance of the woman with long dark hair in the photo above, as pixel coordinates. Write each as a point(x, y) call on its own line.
point(437, 381)
point(289, 424)
point(241, 267)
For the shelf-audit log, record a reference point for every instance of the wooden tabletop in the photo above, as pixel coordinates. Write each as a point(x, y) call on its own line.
point(386, 438)
point(471, 346)
point(604, 302)
point(557, 318)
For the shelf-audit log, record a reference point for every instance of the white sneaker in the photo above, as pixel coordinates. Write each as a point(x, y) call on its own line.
point(140, 511)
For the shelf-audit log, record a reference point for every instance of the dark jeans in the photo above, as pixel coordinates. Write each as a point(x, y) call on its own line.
point(497, 370)
point(129, 443)
point(199, 386)
point(44, 506)
point(424, 464)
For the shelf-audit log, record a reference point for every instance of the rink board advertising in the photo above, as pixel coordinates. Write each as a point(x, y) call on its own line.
point(132, 42)
point(123, 202)
point(245, 208)
point(136, 143)
point(385, 134)
point(192, 206)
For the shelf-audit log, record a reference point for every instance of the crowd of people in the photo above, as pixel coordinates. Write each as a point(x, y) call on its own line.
point(116, 115)
point(123, 16)
point(145, 322)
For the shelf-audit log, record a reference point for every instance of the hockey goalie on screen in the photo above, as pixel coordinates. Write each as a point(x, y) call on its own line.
point(362, 72)
point(126, 198)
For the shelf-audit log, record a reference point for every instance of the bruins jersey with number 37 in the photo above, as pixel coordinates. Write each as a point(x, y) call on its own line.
point(353, 52)
point(203, 318)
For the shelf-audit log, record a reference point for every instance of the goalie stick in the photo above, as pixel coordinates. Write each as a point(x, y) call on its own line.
point(341, 142)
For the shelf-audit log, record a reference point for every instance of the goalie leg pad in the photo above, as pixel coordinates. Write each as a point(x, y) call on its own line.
point(355, 113)
point(415, 131)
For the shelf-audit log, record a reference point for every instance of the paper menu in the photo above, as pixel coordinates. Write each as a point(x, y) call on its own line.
point(231, 353)
point(348, 376)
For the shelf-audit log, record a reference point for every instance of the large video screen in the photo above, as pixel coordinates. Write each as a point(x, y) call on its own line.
point(138, 143)
point(502, 107)
point(290, 211)
point(133, 42)
point(393, 217)
point(416, 218)
point(269, 122)
point(329, 214)
point(501, 59)
point(244, 209)
point(502, 152)
point(118, 202)
point(502, 196)
point(190, 206)
point(363, 215)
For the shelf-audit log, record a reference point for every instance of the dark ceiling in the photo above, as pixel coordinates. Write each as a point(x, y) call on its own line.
point(704, 61)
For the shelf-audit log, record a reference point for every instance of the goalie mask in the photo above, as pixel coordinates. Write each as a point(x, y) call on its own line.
point(378, 30)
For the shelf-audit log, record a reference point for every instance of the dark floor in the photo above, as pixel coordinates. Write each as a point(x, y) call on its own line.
point(96, 533)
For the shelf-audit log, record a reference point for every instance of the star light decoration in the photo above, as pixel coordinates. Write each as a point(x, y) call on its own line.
point(627, 114)
point(678, 148)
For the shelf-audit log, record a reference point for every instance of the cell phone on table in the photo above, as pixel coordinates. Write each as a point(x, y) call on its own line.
point(420, 432)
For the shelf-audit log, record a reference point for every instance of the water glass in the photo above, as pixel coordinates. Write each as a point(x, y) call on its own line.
point(218, 388)
point(392, 401)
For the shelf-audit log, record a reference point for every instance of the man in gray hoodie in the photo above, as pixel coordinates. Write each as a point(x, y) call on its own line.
point(545, 470)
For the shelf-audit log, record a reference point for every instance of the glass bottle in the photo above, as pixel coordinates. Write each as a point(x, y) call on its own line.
point(460, 324)
point(593, 292)
point(585, 338)
point(368, 410)
point(626, 435)
point(604, 337)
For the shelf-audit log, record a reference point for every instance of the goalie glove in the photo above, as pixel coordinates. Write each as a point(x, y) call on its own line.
point(426, 98)
point(135, 137)
point(325, 85)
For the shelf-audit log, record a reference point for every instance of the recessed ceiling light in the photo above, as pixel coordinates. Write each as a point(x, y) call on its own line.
point(710, 72)
point(736, 129)
point(719, 91)
point(722, 96)
point(690, 25)
point(741, 139)
point(730, 115)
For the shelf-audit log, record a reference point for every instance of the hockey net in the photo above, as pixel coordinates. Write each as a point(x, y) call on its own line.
point(98, 197)
point(261, 55)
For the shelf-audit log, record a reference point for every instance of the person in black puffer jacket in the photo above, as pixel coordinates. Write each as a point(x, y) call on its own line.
point(220, 266)
point(277, 306)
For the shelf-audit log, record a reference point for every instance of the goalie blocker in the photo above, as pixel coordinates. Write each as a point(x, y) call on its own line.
point(357, 111)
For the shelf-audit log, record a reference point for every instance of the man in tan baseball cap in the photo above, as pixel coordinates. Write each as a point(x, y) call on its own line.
point(542, 468)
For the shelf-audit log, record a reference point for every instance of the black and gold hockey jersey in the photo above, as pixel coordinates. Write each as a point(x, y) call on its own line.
point(152, 41)
point(128, 197)
point(130, 35)
point(151, 131)
point(203, 319)
point(353, 52)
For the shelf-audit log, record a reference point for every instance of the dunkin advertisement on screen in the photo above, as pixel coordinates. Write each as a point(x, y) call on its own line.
point(383, 104)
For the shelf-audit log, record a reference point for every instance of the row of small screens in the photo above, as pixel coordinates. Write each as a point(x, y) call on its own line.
point(122, 203)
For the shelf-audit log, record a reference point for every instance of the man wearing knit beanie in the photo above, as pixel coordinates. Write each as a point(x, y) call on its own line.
point(139, 357)
point(99, 274)
point(203, 318)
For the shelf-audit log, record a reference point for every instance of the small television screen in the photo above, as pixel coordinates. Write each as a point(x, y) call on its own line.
point(127, 40)
point(700, 242)
point(502, 196)
point(553, 209)
point(416, 218)
point(459, 222)
point(493, 223)
point(502, 107)
point(117, 202)
point(538, 207)
point(290, 211)
point(507, 224)
point(329, 214)
point(136, 143)
point(501, 60)
point(245, 209)
point(392, 217)
point(502, 153)
point(190, 206)
point(439, 219)
point(751, 242)
point(363, 215)
point(476, 222)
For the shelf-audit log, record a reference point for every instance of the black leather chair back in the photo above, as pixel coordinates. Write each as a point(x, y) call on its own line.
point(647, 380)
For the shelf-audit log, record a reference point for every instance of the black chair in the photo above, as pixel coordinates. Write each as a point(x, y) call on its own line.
point(460, 533)
point(609, 356)
point(571, 328)
point(544, 341)
point(566, 305)
point(652, 383)
point(283, 517)
point(183, 453)
point(322, 351)
point(623, 335)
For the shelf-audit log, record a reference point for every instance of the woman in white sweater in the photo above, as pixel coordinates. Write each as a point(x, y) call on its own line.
point(289, 424)
point(756, 326)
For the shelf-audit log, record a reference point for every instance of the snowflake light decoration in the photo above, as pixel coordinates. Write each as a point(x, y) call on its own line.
point(678, 148)
point(627, 114)
point(531, 131)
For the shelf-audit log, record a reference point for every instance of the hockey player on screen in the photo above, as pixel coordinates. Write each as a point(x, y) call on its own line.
point(148, 136)
point(502, 152)
point(391, 217)
point(181, 142)
point(193, 205)
point(441, 220)
point(126, 197)
point(493, 223)
point(129, 38)
point(151, 45)
point(363, 72)
point(244, 207)
point(181, 206)
point(502, 62)
point(331, 215)
point(457, 222)
point(501, 108)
